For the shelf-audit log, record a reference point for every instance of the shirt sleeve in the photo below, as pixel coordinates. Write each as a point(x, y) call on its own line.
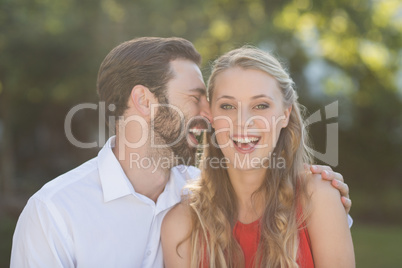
point(350, 221)
point(40, 238)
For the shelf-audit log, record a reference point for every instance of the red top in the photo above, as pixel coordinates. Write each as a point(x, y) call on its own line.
point(248, 236)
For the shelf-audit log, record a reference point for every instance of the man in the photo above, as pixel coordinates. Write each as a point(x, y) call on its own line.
point(108, 211)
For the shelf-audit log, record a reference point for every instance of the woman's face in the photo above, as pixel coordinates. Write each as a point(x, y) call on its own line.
point(248, 115)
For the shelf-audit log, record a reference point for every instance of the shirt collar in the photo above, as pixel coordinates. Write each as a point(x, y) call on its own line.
point(179, 176)
point(114, 181)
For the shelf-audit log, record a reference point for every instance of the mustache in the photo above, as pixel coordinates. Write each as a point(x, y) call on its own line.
point(199, 123)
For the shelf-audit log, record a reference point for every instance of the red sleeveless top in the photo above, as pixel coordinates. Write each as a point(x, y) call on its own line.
point(248, 236)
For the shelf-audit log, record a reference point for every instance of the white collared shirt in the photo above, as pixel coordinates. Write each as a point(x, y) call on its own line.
point(91, 216)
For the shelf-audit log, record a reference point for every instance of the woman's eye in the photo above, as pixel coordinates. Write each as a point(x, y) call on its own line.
point(227, 107)
point(262, 106)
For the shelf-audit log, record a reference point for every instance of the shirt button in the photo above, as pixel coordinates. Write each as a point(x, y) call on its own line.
point(148, 252)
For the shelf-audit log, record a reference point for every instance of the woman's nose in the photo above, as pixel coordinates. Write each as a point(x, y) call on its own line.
point(243, 117)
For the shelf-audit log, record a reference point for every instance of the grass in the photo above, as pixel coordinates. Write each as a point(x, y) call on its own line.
point(375, 245)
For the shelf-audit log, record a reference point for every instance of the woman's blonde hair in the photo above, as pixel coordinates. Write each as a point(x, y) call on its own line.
point(213, 201)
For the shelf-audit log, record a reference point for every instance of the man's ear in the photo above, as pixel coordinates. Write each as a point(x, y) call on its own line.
point(142, 99)
point(287, 113)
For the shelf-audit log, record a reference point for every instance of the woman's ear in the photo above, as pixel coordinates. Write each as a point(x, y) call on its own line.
point(142, 99)
point(287, 113)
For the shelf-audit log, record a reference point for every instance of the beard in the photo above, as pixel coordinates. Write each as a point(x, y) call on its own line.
point(169, 139)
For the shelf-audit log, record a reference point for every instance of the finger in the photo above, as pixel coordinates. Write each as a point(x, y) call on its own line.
point(342, 187)
point(332, 175)
point(347, 203)
point(319, 168)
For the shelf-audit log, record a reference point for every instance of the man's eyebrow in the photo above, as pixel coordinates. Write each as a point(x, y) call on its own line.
point(199, 90)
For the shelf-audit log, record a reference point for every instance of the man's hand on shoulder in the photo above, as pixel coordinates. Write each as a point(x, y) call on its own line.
point(336, 180)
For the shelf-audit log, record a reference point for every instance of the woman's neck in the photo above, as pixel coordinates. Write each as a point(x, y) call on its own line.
point(245, 183)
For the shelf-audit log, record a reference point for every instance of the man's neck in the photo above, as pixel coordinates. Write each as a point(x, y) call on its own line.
point(146, 179)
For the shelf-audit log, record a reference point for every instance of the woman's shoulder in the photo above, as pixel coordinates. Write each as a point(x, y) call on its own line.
point(319, 188)
point(175, 234)
point(177, 221)
point(327, 225)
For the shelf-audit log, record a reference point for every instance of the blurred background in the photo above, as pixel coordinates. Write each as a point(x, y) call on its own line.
point(348, 51)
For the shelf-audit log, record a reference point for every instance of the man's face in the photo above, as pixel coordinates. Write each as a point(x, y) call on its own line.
point(177, 123)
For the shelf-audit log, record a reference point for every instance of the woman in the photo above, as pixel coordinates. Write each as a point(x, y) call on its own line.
point(255, 204)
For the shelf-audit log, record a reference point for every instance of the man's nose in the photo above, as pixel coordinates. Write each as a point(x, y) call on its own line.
point(205, 110)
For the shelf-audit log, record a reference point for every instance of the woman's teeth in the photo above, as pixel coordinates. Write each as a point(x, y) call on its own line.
point(245, 139)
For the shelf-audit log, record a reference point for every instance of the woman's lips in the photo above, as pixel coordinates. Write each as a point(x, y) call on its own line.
point(245, 144)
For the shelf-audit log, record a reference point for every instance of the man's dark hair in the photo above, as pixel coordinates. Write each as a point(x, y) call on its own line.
point(141, 61)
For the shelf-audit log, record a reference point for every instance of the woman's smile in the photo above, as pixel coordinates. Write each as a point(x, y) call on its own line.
point(245, 144)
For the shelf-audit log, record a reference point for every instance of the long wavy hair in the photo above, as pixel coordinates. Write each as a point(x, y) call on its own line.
point(213, 201)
